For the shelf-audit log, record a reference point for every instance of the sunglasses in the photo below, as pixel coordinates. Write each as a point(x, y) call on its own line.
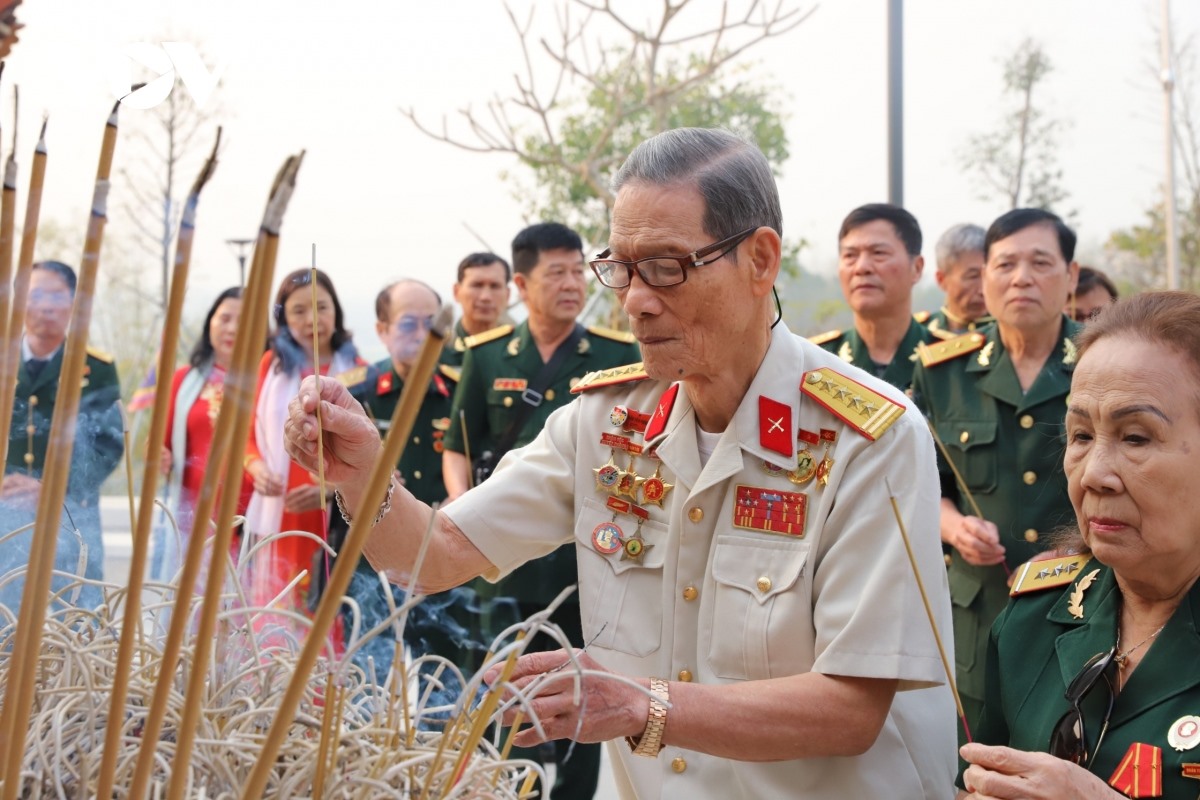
point(1068, 740)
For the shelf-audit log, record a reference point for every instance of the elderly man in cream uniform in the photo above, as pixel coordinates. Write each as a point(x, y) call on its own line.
point(731, 505)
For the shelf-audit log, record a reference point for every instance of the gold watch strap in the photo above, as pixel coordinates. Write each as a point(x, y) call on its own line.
point(650, 742)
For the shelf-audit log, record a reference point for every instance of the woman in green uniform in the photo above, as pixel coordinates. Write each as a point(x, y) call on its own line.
point(1093, 685)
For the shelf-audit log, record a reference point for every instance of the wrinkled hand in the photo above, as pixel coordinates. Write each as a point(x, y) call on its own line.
point(266, 483)
point(21, 490)
point(302, 498)
point(978, 541)
point(609, 709)
point(350, 440)
point(1007, 774)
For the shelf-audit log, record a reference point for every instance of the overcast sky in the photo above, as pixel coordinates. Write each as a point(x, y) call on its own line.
point(381, 200)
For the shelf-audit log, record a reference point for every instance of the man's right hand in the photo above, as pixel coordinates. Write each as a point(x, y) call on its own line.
point(350, 441)
point(977, 541)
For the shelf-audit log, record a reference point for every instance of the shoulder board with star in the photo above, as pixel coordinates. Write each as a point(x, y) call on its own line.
point(450, 373)
point(940, 352)
point(1046, 573)
point(100, 355)
point(868, 412)
point(610, 377)
point(353, 376)
point(922, 317)
point(625, 337)
point(826, 337)
point(488, 336)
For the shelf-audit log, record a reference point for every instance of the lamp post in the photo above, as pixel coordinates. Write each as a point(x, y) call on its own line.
point(240, 247)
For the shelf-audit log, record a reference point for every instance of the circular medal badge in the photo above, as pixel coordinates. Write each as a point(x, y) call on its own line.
point(634, 548)
point(608, 476)
point(652, 491)
point(805, 469)
point(772, 469)
point(618, 416)
point(1184, 733)
point(606, 538)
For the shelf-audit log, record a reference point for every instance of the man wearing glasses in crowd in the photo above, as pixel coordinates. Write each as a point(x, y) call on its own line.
point(731, 509)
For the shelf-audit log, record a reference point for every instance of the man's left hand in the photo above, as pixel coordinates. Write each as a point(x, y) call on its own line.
point(20, 490)
point(607, 708)
point(302, 498)
point(1008, 774)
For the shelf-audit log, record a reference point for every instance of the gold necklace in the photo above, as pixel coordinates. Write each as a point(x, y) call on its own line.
point(1121, 658)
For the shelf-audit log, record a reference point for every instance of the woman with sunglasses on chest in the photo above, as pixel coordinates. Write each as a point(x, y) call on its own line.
point(1093, 683)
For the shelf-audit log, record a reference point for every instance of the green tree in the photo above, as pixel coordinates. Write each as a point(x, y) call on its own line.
point(1016, 159)
point(602, 100)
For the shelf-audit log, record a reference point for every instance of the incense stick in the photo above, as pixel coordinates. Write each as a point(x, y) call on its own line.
point(317, 371)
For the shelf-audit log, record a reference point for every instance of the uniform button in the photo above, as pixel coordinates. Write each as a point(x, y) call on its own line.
point(678, 764)
point(685, 675)
point(1030, 478)
point(31, 429)
point(962, 437)
point(549, 395)
point(1031, 536)
point(29, 458)
point(690, 593)
point(417, 474)
point(764, 584)
point(1026, 421)
point(949, 559)
point(508, 402)
point(416, 440)
point(33, 400)
point(696, 514)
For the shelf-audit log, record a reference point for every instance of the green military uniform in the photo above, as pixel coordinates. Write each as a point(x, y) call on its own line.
point(455, 349)
point(944, 325)
point(1007, 445)
point(99, 445)
point(850, 347)
point(498, 367)
point(1038, 646)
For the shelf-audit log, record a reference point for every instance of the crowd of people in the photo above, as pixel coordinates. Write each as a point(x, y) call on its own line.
point(752, 518)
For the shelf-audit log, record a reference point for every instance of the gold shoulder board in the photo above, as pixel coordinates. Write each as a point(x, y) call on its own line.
point(610, 377)
point(922, 317)
point(1046, 573)
point(353, 376)
point(940, 352)
point(866, 411)
point(608, 333)
point(453, 373)
point(822, 338)
point(488, 336)
point(100, 355)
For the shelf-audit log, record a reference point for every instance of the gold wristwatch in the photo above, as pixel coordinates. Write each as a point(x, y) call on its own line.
point(650, 742)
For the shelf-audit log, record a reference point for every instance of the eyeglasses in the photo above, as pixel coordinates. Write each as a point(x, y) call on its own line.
point(661, 270)
point(410, 324)
point(1068, 740)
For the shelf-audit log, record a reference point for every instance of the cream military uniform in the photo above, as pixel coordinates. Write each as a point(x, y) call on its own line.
point(720, 590)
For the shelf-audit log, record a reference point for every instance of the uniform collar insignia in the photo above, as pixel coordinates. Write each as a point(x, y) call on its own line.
point(775, 426)
point(662, 412)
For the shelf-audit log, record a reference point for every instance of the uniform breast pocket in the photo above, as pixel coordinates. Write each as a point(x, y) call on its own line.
point(761, 612)
point(620, 598)
point(971, 443)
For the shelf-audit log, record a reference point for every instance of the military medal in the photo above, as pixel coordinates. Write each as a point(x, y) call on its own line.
point(806, 466)
point(629, 483)
point(607, 537)
point(607, 476)
point(1191, 771)
point(654, 488)
point(618, 416)
point(770, 511)
point(1184, 733)
point(618, 442)
point(635, 546)
point(1139, 773)
point(772, 469)
point(823, 469)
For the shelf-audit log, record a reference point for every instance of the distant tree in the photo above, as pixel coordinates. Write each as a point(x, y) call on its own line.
point(1016, 159)
point(571, 132)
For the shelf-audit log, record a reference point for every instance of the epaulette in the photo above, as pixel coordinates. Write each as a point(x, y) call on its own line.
point(100, 355)
point(453, 373)
point(488, 336)
point(1046, 573)
point(353, 376)
point(868, 412)
point(922, 317)
point(624, 337)
point(823, 338)
point(940, 352)
point(610, 377)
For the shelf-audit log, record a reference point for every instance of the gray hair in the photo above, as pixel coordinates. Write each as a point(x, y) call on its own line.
point(732, 174)
point(957, 242)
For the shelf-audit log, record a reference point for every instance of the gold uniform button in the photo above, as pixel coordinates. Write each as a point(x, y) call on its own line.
point(696, 514)
point(1031, 536)
point(508, 402)
point(679, 765)
point(764, 584)
point(685, 675)
point(690, 593)
point(416, 440)
point(949, 559)
point(1030, 478)
point(417, 474)
point(549, 395)
point(29, 458)
point(33, 401)
point(31, 429)
point(1026, 421)
point(963, 437)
